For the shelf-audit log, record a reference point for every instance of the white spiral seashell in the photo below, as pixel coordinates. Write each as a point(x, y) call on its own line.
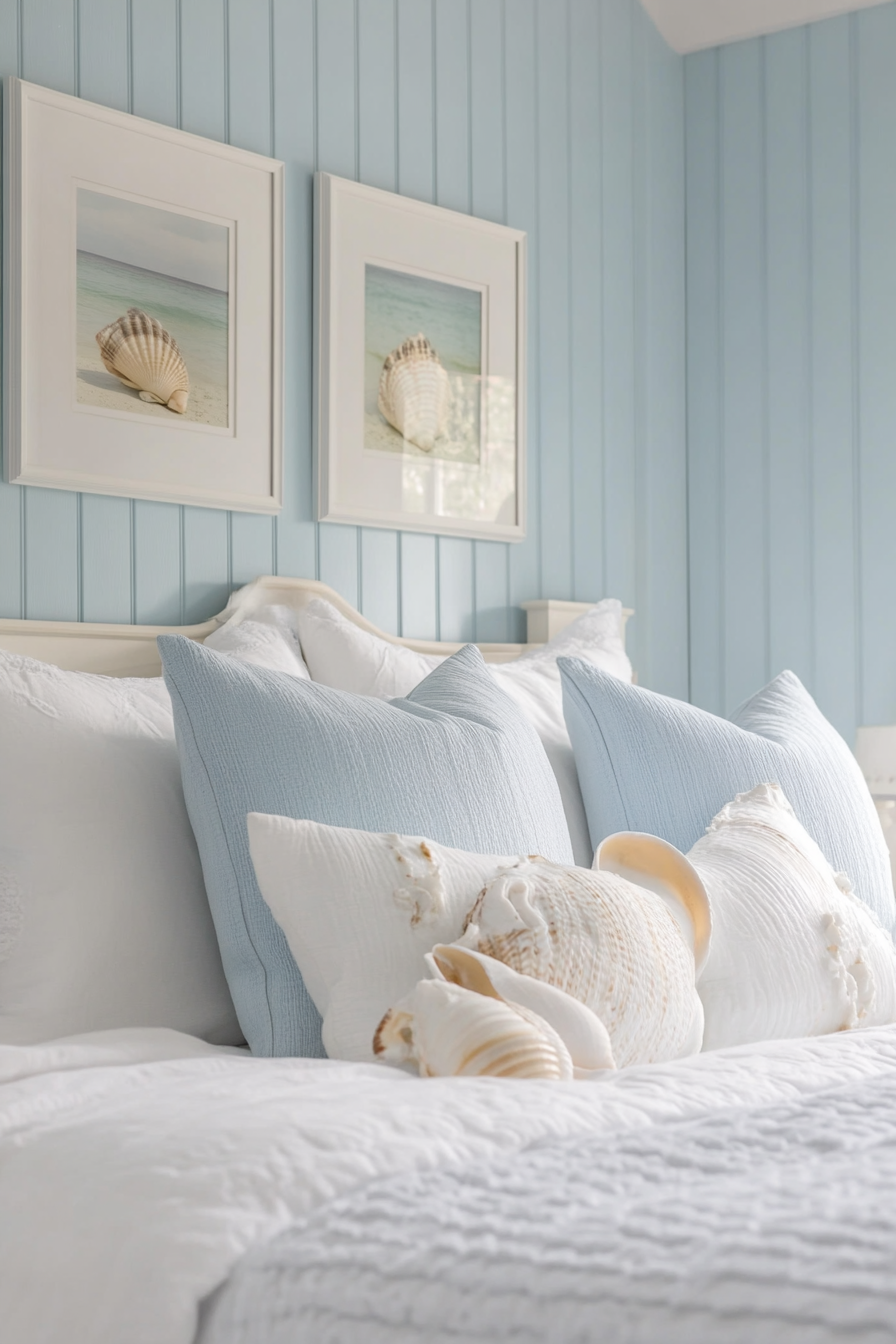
point(449, 1031)
point(143, 355)
point(613, 945)
point(414, 392)
point(581, 1031)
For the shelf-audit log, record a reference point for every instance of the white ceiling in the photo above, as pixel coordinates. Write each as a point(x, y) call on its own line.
point(688, 25)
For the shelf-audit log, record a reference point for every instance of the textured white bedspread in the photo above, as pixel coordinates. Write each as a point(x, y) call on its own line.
point(136, 1169)
point(773, 1224)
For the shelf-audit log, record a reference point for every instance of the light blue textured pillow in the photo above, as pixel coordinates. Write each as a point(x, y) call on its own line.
point(454, 761)
point(648, 763)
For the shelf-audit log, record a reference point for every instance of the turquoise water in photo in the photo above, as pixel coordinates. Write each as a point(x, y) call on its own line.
point(398, 305)
point(197, 318)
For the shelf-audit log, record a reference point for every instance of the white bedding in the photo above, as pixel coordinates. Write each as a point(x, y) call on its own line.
point(136, 1168)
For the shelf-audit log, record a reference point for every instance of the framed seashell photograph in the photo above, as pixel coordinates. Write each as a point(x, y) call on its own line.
point(420, 378)
point(143, 305)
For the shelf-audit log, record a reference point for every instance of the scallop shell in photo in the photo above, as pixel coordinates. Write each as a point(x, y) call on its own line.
point(613, 945)
point(143, 355)
point(415, 393)
point(449, 1031)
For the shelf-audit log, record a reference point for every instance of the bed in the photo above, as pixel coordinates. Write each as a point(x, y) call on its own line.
point(154, 1187)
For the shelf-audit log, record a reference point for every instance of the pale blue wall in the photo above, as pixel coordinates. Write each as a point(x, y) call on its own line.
point(791, 219)
point(565, 119)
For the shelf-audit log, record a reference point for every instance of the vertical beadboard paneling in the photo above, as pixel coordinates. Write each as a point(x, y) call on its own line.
point(52, 589)
point(105, 558)
point(206, 562)
point(103, 52)
point(706, 481)
point(744, 371)
point(790, 633)
point(516, 110)
point(158, 564)
point(456, 589)
point(586, 355)
point(48, 43)
point(11, 496)
point(418, 586)
point(453, 169)
point(875, 94)
point(154, 59)
point(379, 578)
point(376, 93)
point(617, 229)
point(338, 547)
point(203, 67)
point(799, 465)
point(661, 598)
point(832, 423)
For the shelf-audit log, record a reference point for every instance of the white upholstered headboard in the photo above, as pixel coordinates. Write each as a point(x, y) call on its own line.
point(130, 650)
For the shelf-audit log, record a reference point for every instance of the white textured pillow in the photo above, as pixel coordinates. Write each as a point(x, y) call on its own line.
point(341, 655)
point(266, 638)
point(104, 920)
point(793, 952)
point(360, 911)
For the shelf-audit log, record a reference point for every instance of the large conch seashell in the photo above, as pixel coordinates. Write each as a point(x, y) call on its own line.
point(584, 1035)
point(449, 1031)
point(143, 355)
point(414, 392)
point(610, 943)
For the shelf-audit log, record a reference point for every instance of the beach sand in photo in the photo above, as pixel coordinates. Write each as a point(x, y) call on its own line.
point(195, 316)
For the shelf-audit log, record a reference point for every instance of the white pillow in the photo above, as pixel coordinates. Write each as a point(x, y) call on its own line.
point(267, 638)
point(361, 911)
point(104, 920)
point(341, 655)
point(793, 951)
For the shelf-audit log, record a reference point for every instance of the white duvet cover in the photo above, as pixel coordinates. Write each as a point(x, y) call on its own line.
point(137, 1168)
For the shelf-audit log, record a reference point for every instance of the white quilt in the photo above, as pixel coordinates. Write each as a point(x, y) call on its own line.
point(137, 1168)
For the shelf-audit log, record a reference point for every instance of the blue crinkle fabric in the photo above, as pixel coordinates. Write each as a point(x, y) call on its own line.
point(649, 763)
point(455, 761)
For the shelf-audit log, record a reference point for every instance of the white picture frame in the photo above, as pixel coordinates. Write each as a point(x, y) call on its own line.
point(101, 206)
point(455, 465)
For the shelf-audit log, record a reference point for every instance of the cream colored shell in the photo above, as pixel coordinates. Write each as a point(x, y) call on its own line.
point(449, 1031)
point(583, 1033)
point(613, 945)
point(143, 355)
point(415, 393)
